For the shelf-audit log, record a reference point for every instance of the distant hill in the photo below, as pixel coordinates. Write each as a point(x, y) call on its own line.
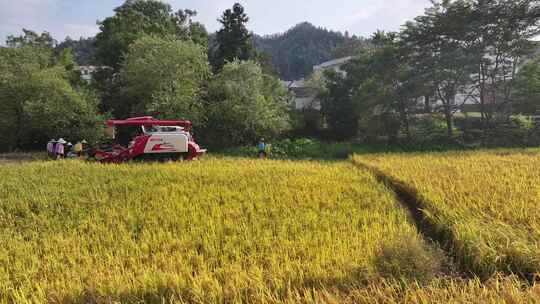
point(295, 52)
point(83, 49)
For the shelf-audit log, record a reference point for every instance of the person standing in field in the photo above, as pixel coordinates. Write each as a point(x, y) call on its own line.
point(78, 148)
point(261, 147)
point(68, 150)
point(86, 150)
point(50, 148)
point(59, 148)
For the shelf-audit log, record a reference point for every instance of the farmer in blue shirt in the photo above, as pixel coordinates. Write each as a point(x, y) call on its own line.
point(261, 147)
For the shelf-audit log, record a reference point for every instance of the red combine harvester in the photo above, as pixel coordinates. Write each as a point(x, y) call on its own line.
point(151, 139)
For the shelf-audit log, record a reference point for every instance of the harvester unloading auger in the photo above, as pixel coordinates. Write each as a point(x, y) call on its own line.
point(162, 140)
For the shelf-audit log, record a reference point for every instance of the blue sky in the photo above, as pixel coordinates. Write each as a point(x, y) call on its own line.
point(78, 17)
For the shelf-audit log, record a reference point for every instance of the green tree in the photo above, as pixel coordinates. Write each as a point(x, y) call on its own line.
point(31, 38)
point(384, 82)
point(136, 18)
point(244, 105)
point(233, 39)
point(37, 101)
point(500, 31)
point(441, 53)
point(338, 107)
point(526, 90)
point(163, 76)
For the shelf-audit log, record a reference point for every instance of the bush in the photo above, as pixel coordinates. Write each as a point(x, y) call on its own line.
point(518, 131)
point(377, 126)
point(298, 149)
point(431, 133)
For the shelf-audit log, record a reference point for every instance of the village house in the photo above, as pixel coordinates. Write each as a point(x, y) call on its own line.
point(88, 71)
point(305, 97)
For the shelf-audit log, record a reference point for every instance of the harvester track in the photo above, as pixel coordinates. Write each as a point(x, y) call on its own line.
point(442, 240)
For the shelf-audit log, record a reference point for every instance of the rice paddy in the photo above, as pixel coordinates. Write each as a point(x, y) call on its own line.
point(218, 230)
point(487, 204)
point(229, 230)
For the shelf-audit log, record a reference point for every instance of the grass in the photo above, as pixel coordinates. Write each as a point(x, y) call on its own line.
point(219, 230)
point(485, 203)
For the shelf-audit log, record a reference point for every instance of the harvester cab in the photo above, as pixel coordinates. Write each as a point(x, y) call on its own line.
point(149, 139)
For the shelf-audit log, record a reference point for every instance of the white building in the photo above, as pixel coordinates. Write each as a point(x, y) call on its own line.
point(335, 65)
point(304, 97)
point(88, 71)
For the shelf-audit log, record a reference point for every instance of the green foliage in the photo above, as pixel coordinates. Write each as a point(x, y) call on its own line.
point(302, 148)
point(430, 129)
point(382, 81)
point(83, 49)
point(295, 52)
point(517, 131)
point(162, 76)
point(384, 125)
point(38, 102)
point(245, 104)
point(233, 39)
point(136, 18)
point(31, 38)
point(338, 107)
point(527, 88)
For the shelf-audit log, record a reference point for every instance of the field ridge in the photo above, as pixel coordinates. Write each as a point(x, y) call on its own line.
point(409, 198)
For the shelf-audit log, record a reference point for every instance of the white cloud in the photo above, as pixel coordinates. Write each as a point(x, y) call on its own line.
point(77, 30)
point(28, 14)
point(39, 16)
point(384, 15)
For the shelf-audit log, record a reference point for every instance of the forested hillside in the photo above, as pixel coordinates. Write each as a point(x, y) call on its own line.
point(295, 52)
point(83, 49)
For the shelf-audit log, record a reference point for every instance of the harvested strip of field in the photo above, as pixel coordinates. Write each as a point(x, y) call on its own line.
point(487, 204)
point(210, 231)
point(21, 157)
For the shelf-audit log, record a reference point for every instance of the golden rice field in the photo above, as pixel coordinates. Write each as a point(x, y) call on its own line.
point(210, 231)
point(486, 203)
point(220, 231)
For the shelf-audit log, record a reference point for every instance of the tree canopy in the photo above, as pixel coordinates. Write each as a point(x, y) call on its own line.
point(135, 18)
point(163, 76)
point(38, 101)
point(245, 104)
point(233, 41)
point(527, 88)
